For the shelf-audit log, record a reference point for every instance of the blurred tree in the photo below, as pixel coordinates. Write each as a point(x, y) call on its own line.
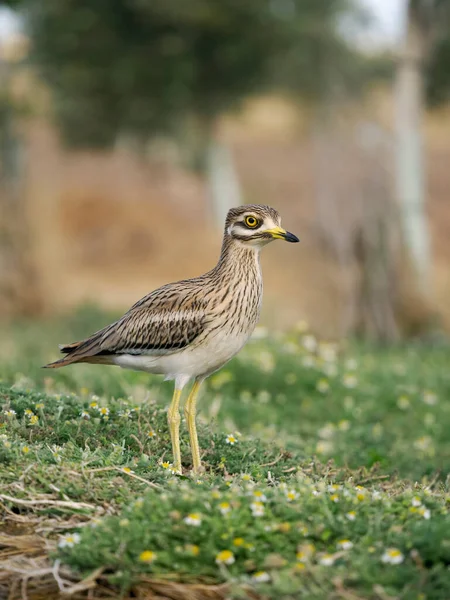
point(142, 67)
point(19, 292)
point(422, 63)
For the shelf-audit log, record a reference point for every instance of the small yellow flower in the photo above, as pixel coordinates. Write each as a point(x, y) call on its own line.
point(238, 542)
point(334, 498)
point(192, 549)
point(25, 449)
point(305, 552)
point(284, 527)
point(166, 465)
point(291, 495)
point(246, 477)
point(40, 406)
point(127, 470)
point(226, 557)
point(147, 556)
point(93, 404)
point(28, 412)
point(34, 420)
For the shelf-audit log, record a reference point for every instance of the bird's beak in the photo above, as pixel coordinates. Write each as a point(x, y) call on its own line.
point(281, 234)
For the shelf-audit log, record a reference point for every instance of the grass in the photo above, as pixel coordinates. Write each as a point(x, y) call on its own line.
point(336, 485)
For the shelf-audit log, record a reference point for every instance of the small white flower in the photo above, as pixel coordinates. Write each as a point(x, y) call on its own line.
point(103, 410)
point(351, 516)
point(328, 352)
point(125, 414)
point(333, 488)
point(291, 495)
point(416, 501)
point(261, 577)
point(85, 415)
point(423, 443)
point(10, 412)
point(424, 512)
point(349, 380)
point(429, 398)
point(309, 342)
point(351, 364)
point(327, 560)
point(257, 509)
point(344, 425)
point(392, 556)
point(403, 402)
point(324, 447)
point(308, 361)
point(376, 495)
point(323, 386)
point(69, 540)
point(330, 370)
point(345, 544)
point(231, 439)
point(327, 431)
point(224, 507)
point(259, 496)
point(193, 519)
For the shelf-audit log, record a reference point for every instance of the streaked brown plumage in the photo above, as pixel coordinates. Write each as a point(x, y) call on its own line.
point(191, 328)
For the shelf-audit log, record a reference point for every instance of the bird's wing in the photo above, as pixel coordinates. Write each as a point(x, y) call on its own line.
point(160, 329)
point(166, 321)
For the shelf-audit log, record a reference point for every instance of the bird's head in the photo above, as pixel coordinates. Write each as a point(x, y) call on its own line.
point(256, 225)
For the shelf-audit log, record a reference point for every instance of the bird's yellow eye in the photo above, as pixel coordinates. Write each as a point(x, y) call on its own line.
point(251, 222)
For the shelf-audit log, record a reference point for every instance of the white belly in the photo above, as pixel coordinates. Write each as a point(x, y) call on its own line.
point(192, 362)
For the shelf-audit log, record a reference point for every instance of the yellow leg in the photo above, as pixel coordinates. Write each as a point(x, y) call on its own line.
point(189, 412)
point(173, 418)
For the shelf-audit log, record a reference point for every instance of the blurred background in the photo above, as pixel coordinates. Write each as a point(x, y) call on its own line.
point(129, 127)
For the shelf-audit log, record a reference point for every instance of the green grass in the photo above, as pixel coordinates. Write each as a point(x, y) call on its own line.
point(344, 443)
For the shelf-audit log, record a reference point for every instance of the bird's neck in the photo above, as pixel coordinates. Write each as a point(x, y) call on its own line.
point(237, 258)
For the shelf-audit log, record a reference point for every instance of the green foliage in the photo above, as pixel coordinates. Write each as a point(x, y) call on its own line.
point(320, 530)
point(143, 67)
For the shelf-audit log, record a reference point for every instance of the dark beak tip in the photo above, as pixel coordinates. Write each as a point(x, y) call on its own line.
point(290, 237)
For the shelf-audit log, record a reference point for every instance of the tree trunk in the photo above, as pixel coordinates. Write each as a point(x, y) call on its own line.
point(223, 183)
point(409, 163)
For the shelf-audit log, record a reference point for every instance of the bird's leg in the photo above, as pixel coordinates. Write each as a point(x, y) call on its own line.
point(190, 412)
point(173, 418)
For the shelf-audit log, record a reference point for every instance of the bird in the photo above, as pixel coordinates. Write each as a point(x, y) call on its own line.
point(189, 329)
